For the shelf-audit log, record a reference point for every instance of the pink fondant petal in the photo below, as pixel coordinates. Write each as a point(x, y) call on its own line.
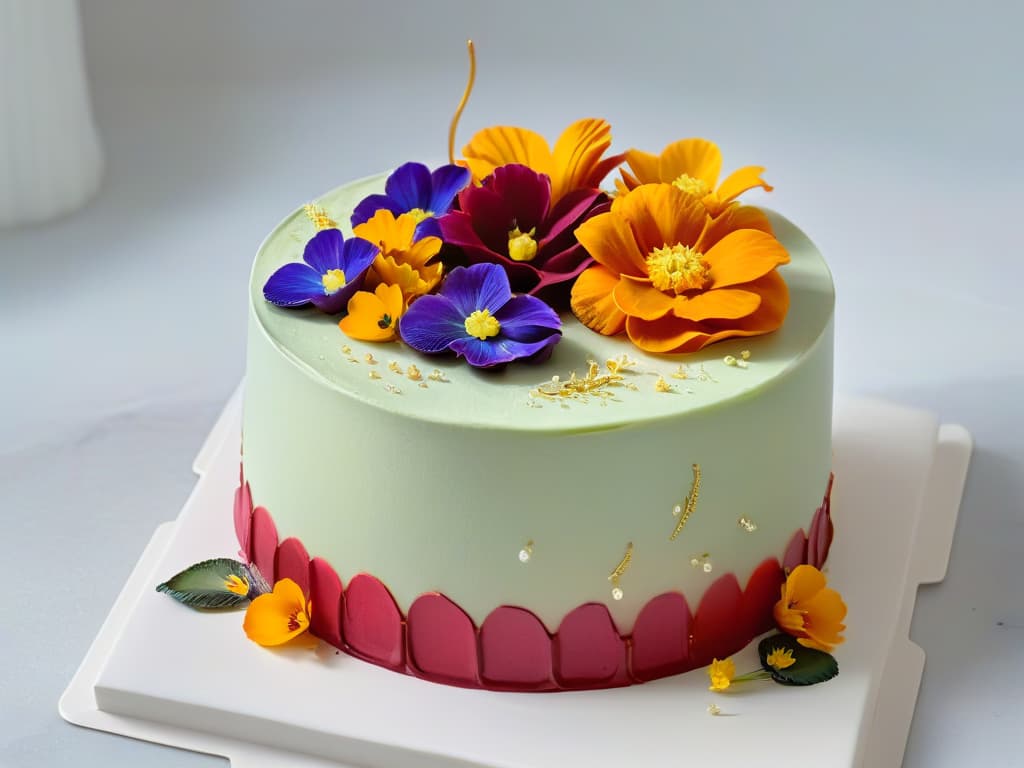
point(264, 543)
point(796, 551)
point(819, 535)
point(717, 629)
point(588, 650)
point(325, 597)
point(759, 598)
point(661, 638)
point(442, 641)
point(371, 622)
point(293, 563)
point(243, 515)
point(515, 650)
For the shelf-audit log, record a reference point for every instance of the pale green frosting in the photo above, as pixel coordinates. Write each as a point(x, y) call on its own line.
point(438, 488)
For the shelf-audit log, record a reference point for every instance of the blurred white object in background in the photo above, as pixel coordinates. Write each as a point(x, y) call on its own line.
point(50, 156)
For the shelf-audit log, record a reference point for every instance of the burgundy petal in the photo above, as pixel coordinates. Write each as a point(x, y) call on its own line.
point(515, 650)
point(372, 624)
point(526, 194)
point(293, 563)
point(661, 638)
point(796, 551)
point(264, 543)
point(717, 629)
point(243, 517)
point(326, 602)
point(759, 598)
point(588, 649)
point(442, 640)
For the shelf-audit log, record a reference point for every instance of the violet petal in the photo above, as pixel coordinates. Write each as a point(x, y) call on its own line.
point(293, 285)
point(527, 318)
point(409, 186)
point(324, 251)
point(487, 353)
point(479, 287)
point(370, 204)
point(431, 324)
point(447, 181)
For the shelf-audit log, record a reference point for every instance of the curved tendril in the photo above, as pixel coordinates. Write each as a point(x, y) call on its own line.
point(462, 103)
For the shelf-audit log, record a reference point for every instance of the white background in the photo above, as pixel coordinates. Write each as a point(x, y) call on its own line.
point(891, 131)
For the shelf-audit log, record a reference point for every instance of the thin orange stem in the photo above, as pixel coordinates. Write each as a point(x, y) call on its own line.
point(462, 102)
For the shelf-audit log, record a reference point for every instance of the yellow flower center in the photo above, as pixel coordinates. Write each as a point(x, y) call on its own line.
point(780, 658)
point(677, 268)
point(236, 584)
point(333, 281)
point(482, 324)
point(691, 186)
point(521, 245)
point(418, 214)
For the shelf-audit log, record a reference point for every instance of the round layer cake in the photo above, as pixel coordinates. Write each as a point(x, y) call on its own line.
point(604, 518)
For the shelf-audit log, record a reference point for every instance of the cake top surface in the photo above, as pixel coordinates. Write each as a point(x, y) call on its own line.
point(615, 384)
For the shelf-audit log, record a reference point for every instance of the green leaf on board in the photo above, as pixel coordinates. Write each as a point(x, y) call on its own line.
point(809, 665)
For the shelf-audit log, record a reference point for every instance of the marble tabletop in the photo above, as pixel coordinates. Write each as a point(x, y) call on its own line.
point(890, 131)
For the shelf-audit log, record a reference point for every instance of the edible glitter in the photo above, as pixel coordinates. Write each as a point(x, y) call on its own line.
point(616, 593)
point(694, 562)
point(394, 367)
point(436, 375)
point(661, 385)
point(677, 510)
point(374, 375)
point(583, 388)
point(370, 358)
point(729, 360)
point(413, 373)
point(392, 388)
point(689, 505)
point(526, 552)
point(707, 567)
point(423, 385)
point(714, 710)
point(680, 372)
point(742, 364)
point(747, 524)
point(745, 354)
point(346, 349)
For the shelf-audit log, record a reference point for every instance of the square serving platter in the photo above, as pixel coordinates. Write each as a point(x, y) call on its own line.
point(162, 673)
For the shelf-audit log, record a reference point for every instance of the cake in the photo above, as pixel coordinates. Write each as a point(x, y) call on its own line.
point(506, 429)
point(466, 526)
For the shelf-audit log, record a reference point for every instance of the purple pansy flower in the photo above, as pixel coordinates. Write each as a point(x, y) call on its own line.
point(509, 221)
point(412, 188)
point(476, 316)
point(334, 269)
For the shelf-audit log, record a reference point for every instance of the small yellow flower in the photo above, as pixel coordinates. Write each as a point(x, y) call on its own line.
point(809, 611)
point(279, 616)
point(721, 674)
point(780, 658)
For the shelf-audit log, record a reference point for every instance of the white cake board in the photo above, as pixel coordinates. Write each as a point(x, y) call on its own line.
point(161, 672)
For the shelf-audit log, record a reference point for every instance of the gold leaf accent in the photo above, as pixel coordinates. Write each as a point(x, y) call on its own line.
point(690, 505)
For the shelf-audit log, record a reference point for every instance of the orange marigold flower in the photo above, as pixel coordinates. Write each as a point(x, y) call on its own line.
point(374, 316)
point(692, 165)
point(810, 612)
point(675, 279)
point(575, 161)
point(276, 617)
point(403, 260)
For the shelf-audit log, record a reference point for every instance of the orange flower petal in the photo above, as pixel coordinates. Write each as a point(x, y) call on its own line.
point(774, 295)
point(609, 239)
point(592, 300)
point(660, 215)
point(577, 156)
point(667, 334)
point(503, 144)
point(374, 316)
point(742, 256)
point(697, 158)
point(387, 231)
point(277, 617)
point(644, 166)
point(727, 304)
point(739, 181)
point(638, 298)
point(803, 583)
point(733, 217)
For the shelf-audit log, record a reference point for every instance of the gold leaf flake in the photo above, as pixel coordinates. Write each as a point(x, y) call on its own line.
point(690, 505)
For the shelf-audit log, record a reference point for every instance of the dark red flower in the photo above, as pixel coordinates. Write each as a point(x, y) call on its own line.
point(508, 220)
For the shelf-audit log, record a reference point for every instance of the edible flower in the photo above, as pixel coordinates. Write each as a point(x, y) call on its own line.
point(405, 259)
point(509, 220)
point(334, 269)
point(374, 316)
point(413, 189)
point(674, 278)
point(809, 611)
point(780, 658)
point(721, 674)
point(692, 165)
point(476, 316)
point(279, 616)
point(574, 163)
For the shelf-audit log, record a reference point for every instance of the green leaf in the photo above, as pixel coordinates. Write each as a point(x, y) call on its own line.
point(204, 585)
point(809, 666)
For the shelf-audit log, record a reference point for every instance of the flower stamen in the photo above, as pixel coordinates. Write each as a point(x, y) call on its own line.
point(691, 185)
point(333, 280)
point(482, 324)
point(677, 268)
point(418, 214)
point(521, 245)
